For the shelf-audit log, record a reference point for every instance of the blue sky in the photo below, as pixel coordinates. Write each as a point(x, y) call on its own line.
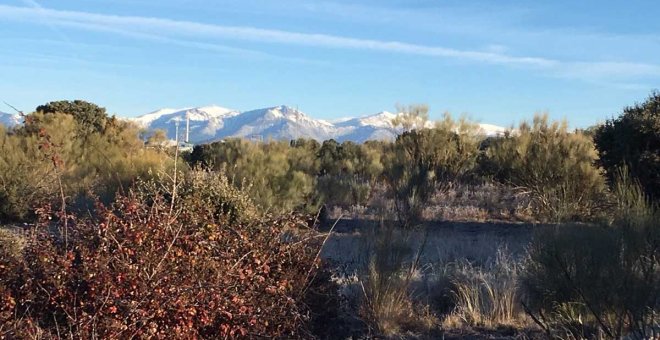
point(497, 61)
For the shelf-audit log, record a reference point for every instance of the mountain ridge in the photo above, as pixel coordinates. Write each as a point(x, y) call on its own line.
point(278, 122)
point(213, 123)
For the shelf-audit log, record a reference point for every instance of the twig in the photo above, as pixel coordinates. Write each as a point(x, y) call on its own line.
point(586, 301)
point(241, 259)
point(15, 109)
point(535, 319)
point(308, 282)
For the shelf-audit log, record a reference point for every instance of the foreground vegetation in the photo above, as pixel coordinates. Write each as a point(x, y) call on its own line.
point(120, 240)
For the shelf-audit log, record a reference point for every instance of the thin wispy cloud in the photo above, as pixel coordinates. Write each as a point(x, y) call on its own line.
point(36, 6)
point(161, 25)
point(175, 32)
point(214, 47)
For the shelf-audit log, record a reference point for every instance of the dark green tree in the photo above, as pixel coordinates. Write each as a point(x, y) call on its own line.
point(633, 140)
point(89, 116)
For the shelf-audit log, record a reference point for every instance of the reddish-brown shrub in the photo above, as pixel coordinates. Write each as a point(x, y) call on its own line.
point(145, 268)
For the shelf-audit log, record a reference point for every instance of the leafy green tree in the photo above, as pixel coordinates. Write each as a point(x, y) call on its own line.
point(348, 172)
point(633, 140)
point(90, 117)
point(328, 156)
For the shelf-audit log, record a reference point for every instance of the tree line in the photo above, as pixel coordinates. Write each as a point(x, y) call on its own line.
point(566, 173)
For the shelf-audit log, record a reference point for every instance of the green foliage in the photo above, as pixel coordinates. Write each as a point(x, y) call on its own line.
point(633, 140)
point(554, 166)
point(203, 189)
point(48, 150)
point(424, 161)
point(278, 177)
point(348, 172)
point(89, 117)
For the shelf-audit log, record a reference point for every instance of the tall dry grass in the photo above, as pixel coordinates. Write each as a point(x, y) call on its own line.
point(389, 306)
point(486, 296)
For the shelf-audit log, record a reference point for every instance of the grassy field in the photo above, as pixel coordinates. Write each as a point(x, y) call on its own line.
point(454, 279)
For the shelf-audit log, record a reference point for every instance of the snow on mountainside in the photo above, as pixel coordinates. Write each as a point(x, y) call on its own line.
point(205, 122)
point(280, 122)
point(492, 130)
point(212, 123)
point(9, 120)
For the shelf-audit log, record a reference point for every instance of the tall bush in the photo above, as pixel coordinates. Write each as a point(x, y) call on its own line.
point(47, 158)
point(279, 177)
point(426, 160)
point(348, 172)
point(554, 166)
point(633, 140)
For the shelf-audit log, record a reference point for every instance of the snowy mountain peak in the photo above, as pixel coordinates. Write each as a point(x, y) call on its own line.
point(381, 119)
point(170, 116)
point(211, 110)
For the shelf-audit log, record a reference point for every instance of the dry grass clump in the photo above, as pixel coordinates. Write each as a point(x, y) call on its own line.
point(486, 296)
point(465, 279)
point(389, 307)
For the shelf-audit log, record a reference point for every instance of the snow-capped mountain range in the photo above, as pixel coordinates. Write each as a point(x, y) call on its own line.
point(213, 123)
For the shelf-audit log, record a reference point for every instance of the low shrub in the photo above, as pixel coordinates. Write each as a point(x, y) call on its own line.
point(204, 189)
point(149, 266)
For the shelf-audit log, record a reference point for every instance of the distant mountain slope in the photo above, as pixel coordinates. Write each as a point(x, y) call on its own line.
point(280, 122)
point(205, 122)
point(212, 123)
point(10, 120)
